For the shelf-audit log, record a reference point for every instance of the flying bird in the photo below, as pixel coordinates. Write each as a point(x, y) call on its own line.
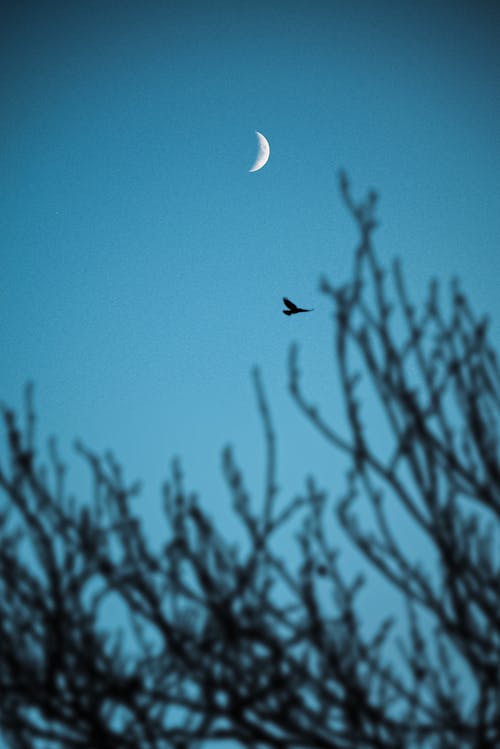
point(292, 308)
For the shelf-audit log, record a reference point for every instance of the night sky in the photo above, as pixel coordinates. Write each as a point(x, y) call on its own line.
point(143, 265)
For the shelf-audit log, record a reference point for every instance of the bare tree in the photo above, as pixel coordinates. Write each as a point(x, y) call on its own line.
point(225, 643)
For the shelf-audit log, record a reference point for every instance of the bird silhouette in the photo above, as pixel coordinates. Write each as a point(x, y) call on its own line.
point(292, 308)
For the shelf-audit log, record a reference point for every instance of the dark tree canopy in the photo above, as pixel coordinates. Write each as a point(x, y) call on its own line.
point(227, 645)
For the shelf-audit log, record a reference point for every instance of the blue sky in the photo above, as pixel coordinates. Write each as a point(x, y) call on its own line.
point(143, 266)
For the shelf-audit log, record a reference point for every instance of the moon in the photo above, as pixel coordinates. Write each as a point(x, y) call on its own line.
point(262, 153)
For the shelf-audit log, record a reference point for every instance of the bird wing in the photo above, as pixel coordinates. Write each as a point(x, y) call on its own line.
point(289, 304)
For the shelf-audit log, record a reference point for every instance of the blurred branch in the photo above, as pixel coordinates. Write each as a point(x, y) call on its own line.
point(237, 643)
point(436, 381)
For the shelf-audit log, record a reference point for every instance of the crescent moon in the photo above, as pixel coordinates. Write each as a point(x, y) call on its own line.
point(262, 153)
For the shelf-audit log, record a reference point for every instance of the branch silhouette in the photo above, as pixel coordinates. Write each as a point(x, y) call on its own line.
point(240, 644)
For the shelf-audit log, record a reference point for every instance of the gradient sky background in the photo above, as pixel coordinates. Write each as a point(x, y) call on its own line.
point(142, 266)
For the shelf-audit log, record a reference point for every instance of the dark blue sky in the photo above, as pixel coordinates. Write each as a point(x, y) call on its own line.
point(143, 266)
